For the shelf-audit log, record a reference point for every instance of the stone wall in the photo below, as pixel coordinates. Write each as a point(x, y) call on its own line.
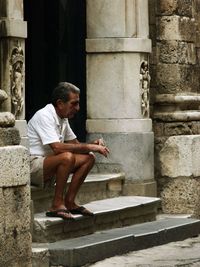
point(175, 100)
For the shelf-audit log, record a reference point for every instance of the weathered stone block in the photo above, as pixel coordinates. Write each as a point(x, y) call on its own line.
point(176, 28)
point(195, 126)
point(179, 157)
point(179, 128)
point(17, 209)
point(9, 136)
point(181, 195)
point(15, 249)
point(178, 7)
point(15, 166)
point(173, 78)
point(176, 52)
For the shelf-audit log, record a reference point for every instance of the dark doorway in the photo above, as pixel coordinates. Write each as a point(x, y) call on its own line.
point(55, 51)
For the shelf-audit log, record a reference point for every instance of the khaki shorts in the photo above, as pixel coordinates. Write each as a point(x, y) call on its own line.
point(36, 165)
point(36, 168)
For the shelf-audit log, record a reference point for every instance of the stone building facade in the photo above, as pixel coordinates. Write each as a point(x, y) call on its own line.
point(142, 88)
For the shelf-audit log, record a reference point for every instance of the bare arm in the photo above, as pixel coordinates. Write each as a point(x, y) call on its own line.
point(75, 147)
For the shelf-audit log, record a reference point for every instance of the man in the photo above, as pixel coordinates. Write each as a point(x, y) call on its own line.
point(56, 152)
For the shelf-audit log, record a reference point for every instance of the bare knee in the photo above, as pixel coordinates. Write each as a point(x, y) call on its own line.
point(91, 158)
point(67, 158)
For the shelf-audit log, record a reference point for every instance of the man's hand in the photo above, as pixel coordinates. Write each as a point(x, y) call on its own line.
point(103, 150)
point(101, 147)
point(100, 142)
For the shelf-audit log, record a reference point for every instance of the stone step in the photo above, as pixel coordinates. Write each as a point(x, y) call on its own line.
point(40, 256)
point(100, 245)
point(96, 186)
point(109, 213)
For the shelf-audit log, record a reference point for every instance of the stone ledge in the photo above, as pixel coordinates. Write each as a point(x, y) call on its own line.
point(106, 45)
point(40, 256)
point(173, 99)
point(189, 115)
point(13, 28)
point(118, 125)
point(101, 245)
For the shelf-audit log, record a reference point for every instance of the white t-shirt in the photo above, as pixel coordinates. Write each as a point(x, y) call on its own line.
point(44, 128)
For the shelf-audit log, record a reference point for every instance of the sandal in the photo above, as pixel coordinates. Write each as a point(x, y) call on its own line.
point(60, 213)
point(81, 211)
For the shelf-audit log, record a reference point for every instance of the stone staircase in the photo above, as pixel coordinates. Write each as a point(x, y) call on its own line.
point(120, 224)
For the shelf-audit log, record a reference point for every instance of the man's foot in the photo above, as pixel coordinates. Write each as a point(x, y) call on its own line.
point(60, 213)
point(82, 211)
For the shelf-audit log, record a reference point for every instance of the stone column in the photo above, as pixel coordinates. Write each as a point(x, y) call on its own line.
point(118, 80)
point(175, 82)
point(13, 31)
point(15, 218)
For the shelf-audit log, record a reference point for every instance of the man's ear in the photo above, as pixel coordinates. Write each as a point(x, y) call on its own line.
point(59, 102)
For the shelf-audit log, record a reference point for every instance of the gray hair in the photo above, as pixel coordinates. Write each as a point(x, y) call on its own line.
point(62, 91)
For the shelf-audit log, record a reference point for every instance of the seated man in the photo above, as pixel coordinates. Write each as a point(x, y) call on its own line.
point(55, 151)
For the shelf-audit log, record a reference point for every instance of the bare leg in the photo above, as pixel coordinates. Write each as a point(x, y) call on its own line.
point(83, 164)
point(60, 165)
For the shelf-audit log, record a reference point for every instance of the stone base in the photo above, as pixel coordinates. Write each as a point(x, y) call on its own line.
point(15, 237)
point(178, 174)
point(21, 125)
point(181, 195)
point(146, 188)
point(133, 151)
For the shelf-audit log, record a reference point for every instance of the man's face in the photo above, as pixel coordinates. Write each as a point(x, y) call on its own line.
point(70, 108)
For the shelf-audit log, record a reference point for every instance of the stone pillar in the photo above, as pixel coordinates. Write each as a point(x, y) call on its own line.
point(15, 236)
point(13, 31)
point(15, 218)
point(175, 82)
point(118, 80)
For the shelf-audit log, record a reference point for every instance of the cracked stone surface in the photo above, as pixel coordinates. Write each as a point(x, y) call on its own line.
point(176, 254)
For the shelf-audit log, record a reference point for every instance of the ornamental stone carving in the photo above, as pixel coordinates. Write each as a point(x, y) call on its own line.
point(144, 85)
point(16, 75)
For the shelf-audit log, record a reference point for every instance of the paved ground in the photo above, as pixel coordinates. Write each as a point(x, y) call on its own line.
point(177, 254)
